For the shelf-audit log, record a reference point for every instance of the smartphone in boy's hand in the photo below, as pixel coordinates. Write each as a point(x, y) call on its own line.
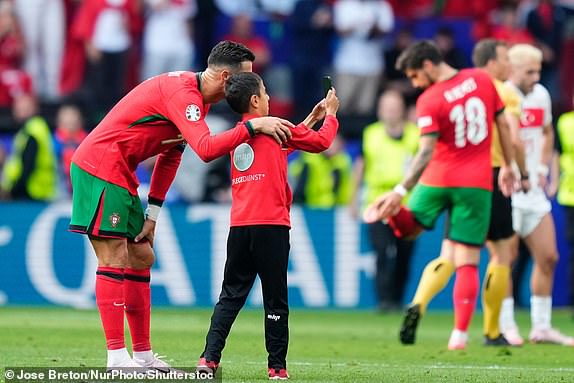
point(327, 85)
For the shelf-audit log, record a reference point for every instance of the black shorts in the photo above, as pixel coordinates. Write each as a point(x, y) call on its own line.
point(501, 213)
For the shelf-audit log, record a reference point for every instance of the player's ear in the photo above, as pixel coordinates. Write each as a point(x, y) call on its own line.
point(427, 65)
point(225, 75)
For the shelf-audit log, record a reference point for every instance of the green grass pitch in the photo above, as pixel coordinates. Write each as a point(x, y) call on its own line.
point(325, 346)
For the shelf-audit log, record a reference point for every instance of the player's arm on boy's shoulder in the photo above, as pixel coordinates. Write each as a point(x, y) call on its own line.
point(185, 109)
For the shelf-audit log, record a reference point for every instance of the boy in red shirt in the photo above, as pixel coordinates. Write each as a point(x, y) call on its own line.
point(258, 242)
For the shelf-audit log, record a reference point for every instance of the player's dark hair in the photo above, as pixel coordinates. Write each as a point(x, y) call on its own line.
point(414, 56)
point(485, 50)
point(239, 88)
point(229, 54)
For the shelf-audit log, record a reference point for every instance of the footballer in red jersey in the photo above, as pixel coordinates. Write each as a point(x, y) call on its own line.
point(452, 173)
point(258, 242)
point(158, 117)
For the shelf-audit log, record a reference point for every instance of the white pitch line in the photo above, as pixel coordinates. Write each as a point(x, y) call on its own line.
point(423, 366)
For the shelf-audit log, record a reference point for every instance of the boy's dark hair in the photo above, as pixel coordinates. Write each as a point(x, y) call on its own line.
point(414, 56)
point(239, 88)
point(229, 54)
point(485, 50)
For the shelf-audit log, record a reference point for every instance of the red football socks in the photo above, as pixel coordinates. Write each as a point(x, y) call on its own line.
point(403, 224)
point(110, 302)
point(138, 306)
point(464, 295)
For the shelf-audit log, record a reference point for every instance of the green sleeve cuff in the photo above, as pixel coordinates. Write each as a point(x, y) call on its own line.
point(250, 129)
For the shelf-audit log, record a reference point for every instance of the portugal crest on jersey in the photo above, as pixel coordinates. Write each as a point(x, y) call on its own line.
point(192, 112)
point(114, 219)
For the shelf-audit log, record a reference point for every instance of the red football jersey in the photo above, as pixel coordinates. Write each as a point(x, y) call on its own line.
point(461, 111)
point(260, 192)
point(156, 117)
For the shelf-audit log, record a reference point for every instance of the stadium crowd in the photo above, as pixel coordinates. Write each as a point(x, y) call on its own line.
point(65, 63)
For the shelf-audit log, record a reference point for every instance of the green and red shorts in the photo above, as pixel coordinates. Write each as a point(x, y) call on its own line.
point(102, 209)
point(468, 211)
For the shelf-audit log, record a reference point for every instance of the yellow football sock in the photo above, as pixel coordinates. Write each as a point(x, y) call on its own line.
point(494, 290)
point(435, 277)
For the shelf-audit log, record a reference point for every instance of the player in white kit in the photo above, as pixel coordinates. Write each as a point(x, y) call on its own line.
point(531, 215)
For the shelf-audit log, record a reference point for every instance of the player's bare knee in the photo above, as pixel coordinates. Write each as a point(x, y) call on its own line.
point(548, 261)
point(110, 252)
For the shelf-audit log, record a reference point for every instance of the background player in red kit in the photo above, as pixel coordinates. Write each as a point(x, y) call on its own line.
point(156, 118)
point(455, 114)
point(258, 242)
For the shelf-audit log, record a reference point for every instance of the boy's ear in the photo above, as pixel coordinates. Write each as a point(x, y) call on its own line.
point(254, 101)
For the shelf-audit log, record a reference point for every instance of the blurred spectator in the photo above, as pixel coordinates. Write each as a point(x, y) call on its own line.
point(203, 30)
point(312, 30)
point(43, 27)
point(323, 180)
point(68, 136)
point(414, 9)
point(13, 80)
point(74, 59)
point(278, 8)
point(388, 146)
point(30, 171)
point(545, 21)
point(395, 79)
point(476, 12)
point(452, 55)
point(107, 28)
point(11, 40)
point(242, 32)
point(167, 40)
point(238, 7)
point(565, 140)
point(358, 63)
point(13, 83)
point(507, 26)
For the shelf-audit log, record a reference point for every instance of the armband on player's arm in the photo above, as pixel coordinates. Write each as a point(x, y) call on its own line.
point(153, 209)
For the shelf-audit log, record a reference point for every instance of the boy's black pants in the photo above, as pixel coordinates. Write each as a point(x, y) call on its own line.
point(254, 250)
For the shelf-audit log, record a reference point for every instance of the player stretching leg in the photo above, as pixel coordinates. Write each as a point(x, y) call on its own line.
point(492, 56)
point(455, 114)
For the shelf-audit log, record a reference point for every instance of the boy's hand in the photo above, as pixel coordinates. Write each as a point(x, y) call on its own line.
point(331, 103)
point(318, 112)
